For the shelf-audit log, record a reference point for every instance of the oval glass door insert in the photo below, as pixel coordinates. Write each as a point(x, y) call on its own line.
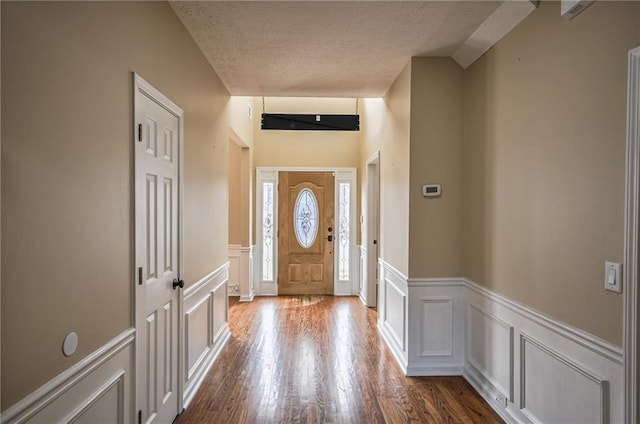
point(305, 218)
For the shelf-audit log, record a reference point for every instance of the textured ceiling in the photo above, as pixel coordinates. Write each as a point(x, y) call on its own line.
point(325, 49)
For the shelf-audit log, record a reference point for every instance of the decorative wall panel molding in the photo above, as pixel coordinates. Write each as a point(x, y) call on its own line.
point(532, 368)
point(392, 311)
point(99, 387)
point(493, 360)
point(241, 272)
point(206, 312)
point(436, 326)
point(436, 337)
point(553, 388)
point(529, 367)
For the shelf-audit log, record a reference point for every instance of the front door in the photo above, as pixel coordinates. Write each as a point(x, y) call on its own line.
point(305, 233)
point(156, 163)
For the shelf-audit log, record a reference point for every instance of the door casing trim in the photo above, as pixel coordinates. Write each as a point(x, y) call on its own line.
point(631, 228)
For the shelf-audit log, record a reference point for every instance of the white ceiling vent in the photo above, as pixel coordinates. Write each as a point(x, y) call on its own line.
point(569, 9)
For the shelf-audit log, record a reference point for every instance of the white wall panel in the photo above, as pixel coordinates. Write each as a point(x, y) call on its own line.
point(220, 311)
point(549, 371)
point(436, 327)
point(234, 271)
point(98, 389)
point(556, 390)
point(105, 406)
point(395, 308)
point(436, 337)
point(490, 348)
point(392, 311)
point(206, 319)
point(197, 330)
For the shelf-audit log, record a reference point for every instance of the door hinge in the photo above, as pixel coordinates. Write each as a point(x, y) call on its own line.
point(140, 416)
point(139, 132)
point(140, 275)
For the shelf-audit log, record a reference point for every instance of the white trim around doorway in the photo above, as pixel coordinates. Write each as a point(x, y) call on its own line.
point(371, 240)
point(269, 287)
point(630, 274)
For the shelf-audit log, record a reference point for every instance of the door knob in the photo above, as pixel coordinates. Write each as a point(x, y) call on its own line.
point(178, 283)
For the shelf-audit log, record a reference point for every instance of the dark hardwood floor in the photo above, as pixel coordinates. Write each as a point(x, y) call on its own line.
point(316, 359)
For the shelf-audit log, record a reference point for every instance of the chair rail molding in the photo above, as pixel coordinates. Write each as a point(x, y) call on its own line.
point(84, 388)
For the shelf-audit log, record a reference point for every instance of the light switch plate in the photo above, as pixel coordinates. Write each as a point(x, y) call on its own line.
point(613, 276)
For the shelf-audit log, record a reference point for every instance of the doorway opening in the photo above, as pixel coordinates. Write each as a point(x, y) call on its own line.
point(283, 240)
point(239, 213)
point(369, 292)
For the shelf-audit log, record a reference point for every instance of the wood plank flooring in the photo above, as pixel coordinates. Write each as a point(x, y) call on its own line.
point(319, 359)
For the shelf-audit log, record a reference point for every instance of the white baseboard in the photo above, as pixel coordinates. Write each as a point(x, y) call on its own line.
point(508, 414)
point(206, 323)
point(437, 370)
point(102, 381)
point(247, 298)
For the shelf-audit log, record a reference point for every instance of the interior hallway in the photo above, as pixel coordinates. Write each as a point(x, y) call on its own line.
point(320, 359)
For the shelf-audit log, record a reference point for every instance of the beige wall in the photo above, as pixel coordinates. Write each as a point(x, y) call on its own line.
point(544, 159)
point(242, 132)
point(435, 230)
point(239, 120)
point(386, 129)
point(235, 194)
point(306, 148)
point(67, 171)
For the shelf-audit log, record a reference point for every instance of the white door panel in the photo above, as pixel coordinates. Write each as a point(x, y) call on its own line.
point(157, 174)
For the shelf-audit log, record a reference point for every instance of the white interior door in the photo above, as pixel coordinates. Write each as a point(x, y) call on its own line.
point(157, 257)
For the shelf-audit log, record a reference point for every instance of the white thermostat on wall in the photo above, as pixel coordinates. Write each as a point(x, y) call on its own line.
point(431, 190)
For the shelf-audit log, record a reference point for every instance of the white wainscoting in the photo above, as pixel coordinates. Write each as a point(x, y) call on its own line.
point(362, 264)
point(549, 371)
point(206, 313)
point(436, 327)
point(393, 311)
point(529, 367)
point(240, 272)
point(99, 388)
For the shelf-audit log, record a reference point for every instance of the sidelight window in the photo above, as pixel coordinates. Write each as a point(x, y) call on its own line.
point(267, 231)
point(343, 231)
